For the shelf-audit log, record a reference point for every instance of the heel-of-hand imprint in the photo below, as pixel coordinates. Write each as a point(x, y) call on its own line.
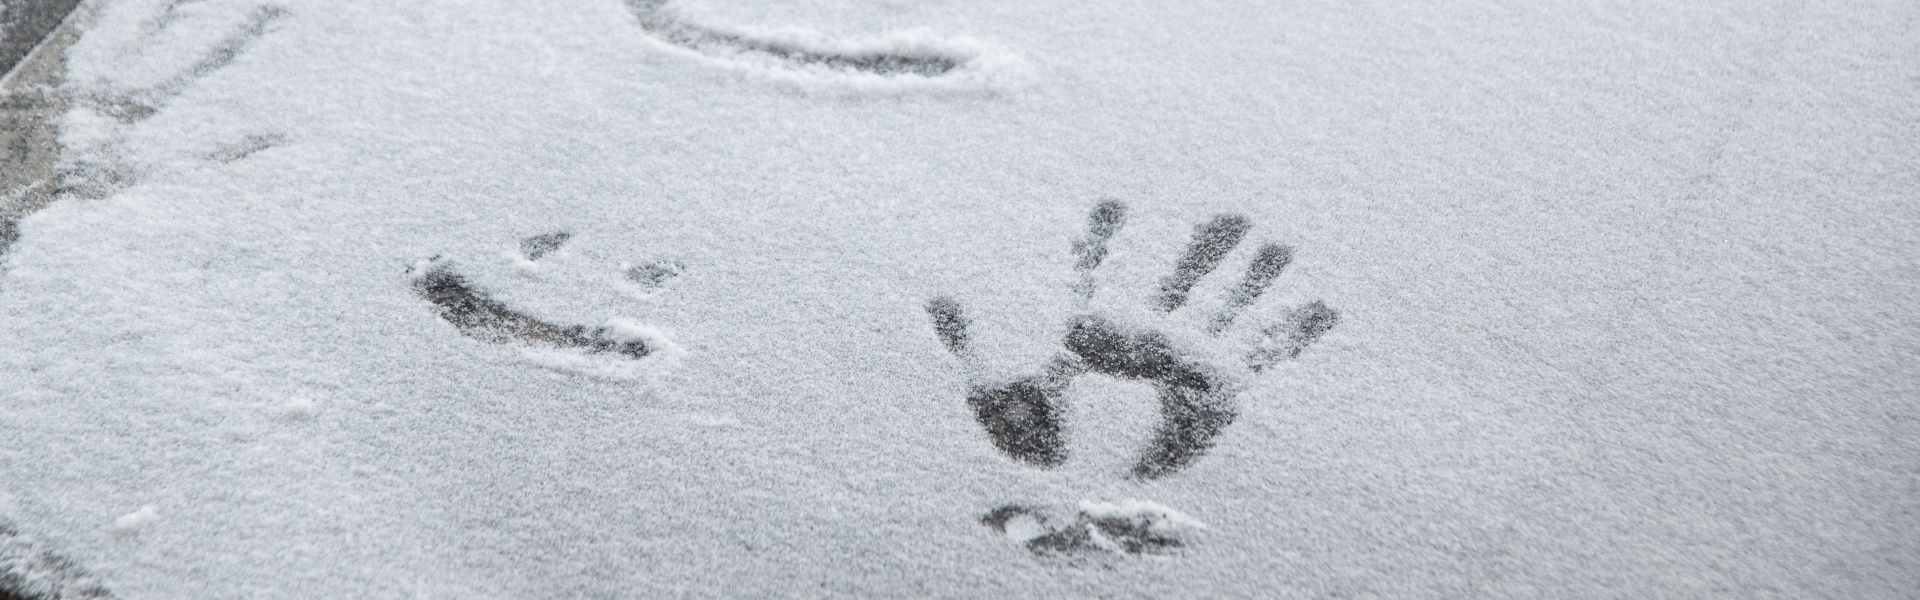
point(1023, 416)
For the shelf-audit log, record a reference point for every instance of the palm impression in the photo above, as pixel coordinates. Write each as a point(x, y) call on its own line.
point(1196, 390)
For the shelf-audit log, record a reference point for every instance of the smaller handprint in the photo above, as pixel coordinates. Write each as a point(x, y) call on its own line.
point(1196, 395)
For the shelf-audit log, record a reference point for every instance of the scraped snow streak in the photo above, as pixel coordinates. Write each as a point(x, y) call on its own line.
point(913, 60)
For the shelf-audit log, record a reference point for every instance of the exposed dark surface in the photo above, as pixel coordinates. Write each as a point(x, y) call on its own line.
point(484, 319)
point(24, 24)
point(32, 98)
point(654, 274)
point(1142, 356)
point(10, 582)
point(1023, 418)
point(1105, 219)
point(540, 245)
point(30, 107)
point(948, 322)
point(20, 149)
point(1189, 420)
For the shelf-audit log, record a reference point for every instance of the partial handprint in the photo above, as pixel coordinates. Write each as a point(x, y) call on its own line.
point(1023, 416)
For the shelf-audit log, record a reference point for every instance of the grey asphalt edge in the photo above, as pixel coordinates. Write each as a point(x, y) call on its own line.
point(25, 28)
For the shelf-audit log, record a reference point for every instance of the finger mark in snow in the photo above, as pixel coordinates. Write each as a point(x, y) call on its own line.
point(654, 274)
point(1266, 267)
point(541, 245)
point(1211, 243)
point(246, 147)
point(949, 323)
point(137, 105)
point(1285, 341)
point(642, 281)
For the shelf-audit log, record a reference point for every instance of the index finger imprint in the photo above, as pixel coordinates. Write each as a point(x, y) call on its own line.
point(1211, 243)
point(949, 322)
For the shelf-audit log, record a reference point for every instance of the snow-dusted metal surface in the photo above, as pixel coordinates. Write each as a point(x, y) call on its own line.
point(1552, 299)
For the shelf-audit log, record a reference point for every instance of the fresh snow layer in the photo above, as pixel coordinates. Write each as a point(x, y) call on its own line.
point(1624, 298)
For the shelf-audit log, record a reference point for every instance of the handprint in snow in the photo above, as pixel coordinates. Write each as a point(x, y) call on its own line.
point(1196, 395)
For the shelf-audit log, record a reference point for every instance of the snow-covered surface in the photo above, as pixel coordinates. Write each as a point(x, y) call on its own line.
point(1625, 291)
